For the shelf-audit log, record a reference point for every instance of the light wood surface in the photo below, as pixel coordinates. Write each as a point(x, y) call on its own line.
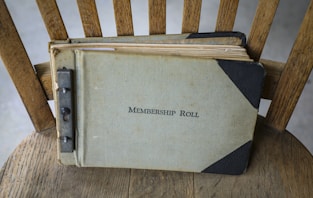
point(226, 15)
point(295, 75)
point(89, 16)
point(33, 171)
point(51, 16)
point(260, 28)
point(20, 69)
point(123, 17)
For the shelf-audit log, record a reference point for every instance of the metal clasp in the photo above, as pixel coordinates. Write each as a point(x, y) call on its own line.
point(65, 105)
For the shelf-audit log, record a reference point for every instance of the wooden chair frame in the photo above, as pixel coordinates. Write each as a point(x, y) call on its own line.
point(284, 81)
point(279, 167)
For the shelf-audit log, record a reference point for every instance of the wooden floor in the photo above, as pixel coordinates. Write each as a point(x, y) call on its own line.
point(280, 167)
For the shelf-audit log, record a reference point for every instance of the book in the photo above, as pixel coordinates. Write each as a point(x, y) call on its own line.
point(209, 38)
point(220, 45)
point(179, 106)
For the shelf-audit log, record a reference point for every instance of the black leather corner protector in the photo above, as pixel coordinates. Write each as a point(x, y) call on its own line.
point(234, 163)
point(240, 35)
point(247, 76)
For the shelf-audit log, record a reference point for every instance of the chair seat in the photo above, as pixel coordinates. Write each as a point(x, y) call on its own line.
point(280, 166)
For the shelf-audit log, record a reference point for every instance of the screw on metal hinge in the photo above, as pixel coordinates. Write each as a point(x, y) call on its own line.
point(65, 112)
point(65, 139)
point(64, 90)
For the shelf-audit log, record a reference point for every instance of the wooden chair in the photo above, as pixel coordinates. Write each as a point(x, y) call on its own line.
point(280, 166)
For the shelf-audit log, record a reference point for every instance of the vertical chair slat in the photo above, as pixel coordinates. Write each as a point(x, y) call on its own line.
point(89, 16)
point(52, 18)
point(261, 26)
point(296, 73)
point(191, 16)
point(123, 17)
point(226, 15)
point(16, 60)
point(157, 17)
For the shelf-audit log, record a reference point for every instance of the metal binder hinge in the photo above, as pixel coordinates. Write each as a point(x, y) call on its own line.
point(66, 114)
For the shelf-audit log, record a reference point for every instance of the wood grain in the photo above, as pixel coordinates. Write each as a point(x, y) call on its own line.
point(89, 16)
point(18, 65)
point(191, 16)
point(51, 15)
point(44, 76)
point(295, 75)
point(123, 17)
point(260, 27)
point(150, 183)
point(226, 15)
point(280, 166)
point(40, 175)
point(157, 17)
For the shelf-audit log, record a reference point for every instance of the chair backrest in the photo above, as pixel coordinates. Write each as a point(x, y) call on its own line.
point(283, 84)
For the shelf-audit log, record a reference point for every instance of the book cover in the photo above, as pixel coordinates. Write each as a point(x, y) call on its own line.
point(150, 111)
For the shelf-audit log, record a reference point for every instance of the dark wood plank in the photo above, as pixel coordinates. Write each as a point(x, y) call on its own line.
point(33, 171)
point(89, 16)
point(295, 75)
point(157, 17)
point(123, 17)
point(51, 15)
point(260, 27)
point(16, 60)
point(149, 183)
point(280, 166)
point(226, 15)
point(191, 16)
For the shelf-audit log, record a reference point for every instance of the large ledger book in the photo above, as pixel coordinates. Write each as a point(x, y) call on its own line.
point(156, 102)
